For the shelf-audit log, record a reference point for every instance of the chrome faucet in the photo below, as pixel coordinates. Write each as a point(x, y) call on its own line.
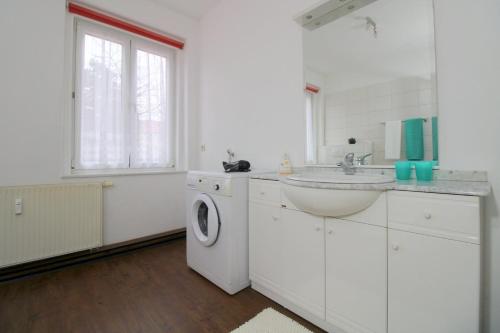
point(348, 164)
point(361, 160)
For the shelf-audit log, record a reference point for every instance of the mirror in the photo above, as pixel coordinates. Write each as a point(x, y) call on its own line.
point(370, 81)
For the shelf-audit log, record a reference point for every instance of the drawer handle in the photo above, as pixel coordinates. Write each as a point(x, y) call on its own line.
point(318, 228)
point(395, 247)
point(427, 216)
point(275, 218)
point(262, 192)
point(330, 232)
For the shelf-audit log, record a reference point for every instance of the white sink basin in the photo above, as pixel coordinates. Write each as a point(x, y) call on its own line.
point(333, 202)
point(342, 179)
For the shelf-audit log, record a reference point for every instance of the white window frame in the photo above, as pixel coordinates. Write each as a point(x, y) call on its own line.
point(130, 43)
point(310, 101)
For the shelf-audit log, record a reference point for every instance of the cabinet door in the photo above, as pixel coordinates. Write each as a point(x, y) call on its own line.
point(356, 276)
point(303, 257)
point(266, 238)
point(433, 284)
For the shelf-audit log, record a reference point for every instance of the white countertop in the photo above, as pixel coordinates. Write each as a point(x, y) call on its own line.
point(458, 187)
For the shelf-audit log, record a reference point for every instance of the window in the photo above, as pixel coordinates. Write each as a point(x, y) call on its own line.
point(124, 101)
point(310, 132)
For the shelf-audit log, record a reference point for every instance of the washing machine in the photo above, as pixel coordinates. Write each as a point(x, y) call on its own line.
point(217, 228)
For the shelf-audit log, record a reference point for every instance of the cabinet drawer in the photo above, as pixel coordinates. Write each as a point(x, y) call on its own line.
point(448, 216)
point(286, 203)
point(265, 190)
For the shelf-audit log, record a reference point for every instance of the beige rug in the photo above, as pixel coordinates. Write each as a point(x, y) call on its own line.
point(271, 321)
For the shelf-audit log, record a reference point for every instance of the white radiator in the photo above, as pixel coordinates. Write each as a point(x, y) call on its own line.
point(54, 220)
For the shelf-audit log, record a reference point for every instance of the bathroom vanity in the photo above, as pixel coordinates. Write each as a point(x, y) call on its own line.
point(354, 251)
point(409, 262)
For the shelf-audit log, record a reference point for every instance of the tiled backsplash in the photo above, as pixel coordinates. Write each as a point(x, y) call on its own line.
point(360, 113)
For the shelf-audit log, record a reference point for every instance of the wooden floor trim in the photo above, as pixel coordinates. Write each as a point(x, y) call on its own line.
point(44, 265)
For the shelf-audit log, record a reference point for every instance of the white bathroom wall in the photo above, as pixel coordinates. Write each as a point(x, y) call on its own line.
point(468, 63)
point(251, 96)
point(360, 113)
point(252, 83)
point(33, 93)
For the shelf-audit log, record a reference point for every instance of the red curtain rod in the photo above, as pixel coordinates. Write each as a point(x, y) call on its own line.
point(118, 23)
point(312, 88)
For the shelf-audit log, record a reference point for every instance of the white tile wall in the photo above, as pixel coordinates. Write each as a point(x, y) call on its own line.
point(359, 113)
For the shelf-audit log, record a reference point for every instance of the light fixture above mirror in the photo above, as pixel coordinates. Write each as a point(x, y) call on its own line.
point(329, 11)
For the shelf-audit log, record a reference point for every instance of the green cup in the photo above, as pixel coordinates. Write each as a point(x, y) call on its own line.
point(403, 170)
point(423, 170)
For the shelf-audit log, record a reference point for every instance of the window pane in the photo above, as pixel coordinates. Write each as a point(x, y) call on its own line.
point(310, 142)
point(102, 118)
point(151, 122)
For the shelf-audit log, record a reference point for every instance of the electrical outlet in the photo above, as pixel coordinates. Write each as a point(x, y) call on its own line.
point(19, 206)
point(203, 148)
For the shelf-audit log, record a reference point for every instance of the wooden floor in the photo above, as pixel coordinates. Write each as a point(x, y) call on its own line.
point(149, 290)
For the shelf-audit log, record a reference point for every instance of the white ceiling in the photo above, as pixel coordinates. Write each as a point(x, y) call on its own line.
point(348, 54)
point(192, 8)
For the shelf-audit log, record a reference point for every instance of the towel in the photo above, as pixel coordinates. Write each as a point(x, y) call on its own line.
point(435, 142)
point(414, 139)
point(393, 140)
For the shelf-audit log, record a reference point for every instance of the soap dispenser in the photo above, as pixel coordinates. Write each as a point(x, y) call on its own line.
point(285, 166)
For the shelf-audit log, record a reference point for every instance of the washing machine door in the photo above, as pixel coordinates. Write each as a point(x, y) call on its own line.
point(205, 220)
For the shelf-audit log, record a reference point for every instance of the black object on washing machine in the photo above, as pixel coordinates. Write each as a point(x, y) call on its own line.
point(238, 166)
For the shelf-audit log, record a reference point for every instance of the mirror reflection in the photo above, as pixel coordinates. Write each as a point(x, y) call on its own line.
point(370, 82)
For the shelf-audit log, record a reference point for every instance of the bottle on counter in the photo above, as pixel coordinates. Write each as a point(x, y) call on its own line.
point(285, 166)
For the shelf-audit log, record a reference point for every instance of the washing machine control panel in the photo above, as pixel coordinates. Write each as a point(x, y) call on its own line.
point(215, 185)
